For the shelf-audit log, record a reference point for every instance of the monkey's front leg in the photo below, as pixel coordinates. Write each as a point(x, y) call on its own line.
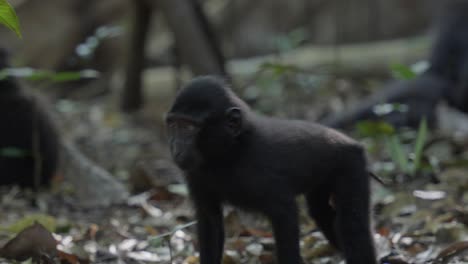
point(210, 232)
point(284, 220)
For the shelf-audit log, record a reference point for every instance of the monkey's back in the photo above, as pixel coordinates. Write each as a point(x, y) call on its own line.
point(303, 151)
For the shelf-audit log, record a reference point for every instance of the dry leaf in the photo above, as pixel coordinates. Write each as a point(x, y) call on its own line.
point(34, 242)
point(451, 251)
point(66, 258)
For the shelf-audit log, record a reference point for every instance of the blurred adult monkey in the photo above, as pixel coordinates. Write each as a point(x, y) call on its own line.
point(28, 140)
point(446, 78)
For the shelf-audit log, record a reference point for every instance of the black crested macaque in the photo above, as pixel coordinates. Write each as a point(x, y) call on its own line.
point(28, 139)
point(420, 95)
point(446, 78)
point(449, 56)
point(230, 154)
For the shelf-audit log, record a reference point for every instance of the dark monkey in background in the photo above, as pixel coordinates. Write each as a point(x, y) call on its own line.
point(232, 155)
point(29, 144)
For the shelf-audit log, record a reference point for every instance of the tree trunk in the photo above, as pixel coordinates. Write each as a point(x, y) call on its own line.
point(194, 38)
point(132, 96)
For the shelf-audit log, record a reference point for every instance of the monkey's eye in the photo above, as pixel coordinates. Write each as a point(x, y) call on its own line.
point(171, 124)
point(182, 126)
point(188, 127)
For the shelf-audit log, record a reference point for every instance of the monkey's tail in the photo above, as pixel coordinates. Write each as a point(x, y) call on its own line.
point(378, 179)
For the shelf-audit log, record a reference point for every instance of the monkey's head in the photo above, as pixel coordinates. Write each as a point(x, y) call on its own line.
point(204, 122)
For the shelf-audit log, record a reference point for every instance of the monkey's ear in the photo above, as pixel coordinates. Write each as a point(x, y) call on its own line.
point(234, 121)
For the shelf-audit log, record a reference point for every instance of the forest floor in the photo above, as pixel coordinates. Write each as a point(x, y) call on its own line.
point(421, 217)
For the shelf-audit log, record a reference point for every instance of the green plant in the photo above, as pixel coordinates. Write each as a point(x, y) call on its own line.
point(405, 160)
point(290, 40)
point(421, 139)
point(46, 75)
point(404, 72)
point(8, 17)
point(401, 156)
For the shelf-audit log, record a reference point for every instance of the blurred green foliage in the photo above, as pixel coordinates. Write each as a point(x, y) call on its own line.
point(291, 40)
point(406, 157)
point(47, 221)
point(8, 17)
point(41, 75)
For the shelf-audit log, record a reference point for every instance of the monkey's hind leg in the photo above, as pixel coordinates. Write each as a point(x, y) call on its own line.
point(323, 214)
point(353, 214)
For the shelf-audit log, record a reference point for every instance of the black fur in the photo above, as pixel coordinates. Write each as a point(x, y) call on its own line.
point(232, 155)
point(449, 56)
point(23, 121)
point(446, 79)
point(420, 95)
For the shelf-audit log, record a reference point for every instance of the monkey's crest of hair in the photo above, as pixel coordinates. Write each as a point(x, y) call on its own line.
point(205, 96)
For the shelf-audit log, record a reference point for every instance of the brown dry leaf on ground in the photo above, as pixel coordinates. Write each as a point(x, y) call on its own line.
point(451, 251)
point(66, 258)
point(37, 243)
point(34, 242)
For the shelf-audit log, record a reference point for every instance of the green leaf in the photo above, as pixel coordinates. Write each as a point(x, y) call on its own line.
point(397, 153)
point(291, 40)
point(8, 17)
point(46, 75)
point(278, 69)
point(374, 128)
point(403, 72)
point(66, 76)
point(47, 221)
point(419, 145)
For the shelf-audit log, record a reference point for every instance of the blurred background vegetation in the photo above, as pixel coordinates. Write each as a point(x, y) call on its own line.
point(106, 71)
